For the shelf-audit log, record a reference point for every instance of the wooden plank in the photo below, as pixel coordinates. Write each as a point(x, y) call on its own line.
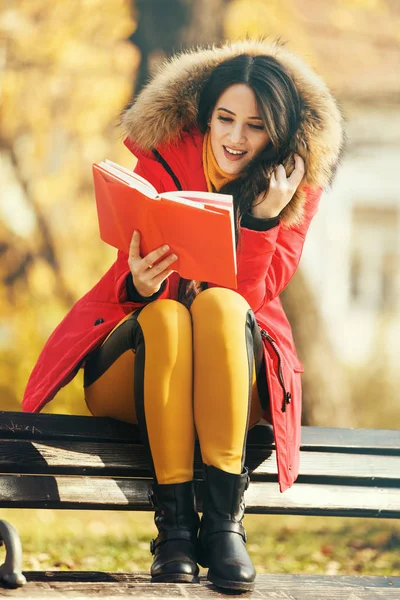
point(27, 426)
point(325, 500)
point(85, 458)
point(17, 425)
point(72, 457)
point(369, 440)
point(42, 491)
point(287, 579)
point(61, 585)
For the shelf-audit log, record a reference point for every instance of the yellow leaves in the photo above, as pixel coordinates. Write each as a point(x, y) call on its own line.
point(79, 56)
point(47, 190)
point(367, 5)
point(355, 15)
point(45, 31)
point(41, 281)
point(15, 213)
point(94, 149)
point(125, 59)
point(271, 19)
point(65, 77)
point(97, 99)
point(254, 18)
point(15, 24)
point(70, 399)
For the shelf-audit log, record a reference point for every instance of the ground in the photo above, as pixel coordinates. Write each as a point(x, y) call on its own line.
point(119, 541)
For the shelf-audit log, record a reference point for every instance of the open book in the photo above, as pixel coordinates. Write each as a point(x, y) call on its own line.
point(198, 226)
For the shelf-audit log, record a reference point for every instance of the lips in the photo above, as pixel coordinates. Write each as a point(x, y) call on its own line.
point(234, 155)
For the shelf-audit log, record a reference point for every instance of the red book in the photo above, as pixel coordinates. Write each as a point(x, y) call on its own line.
point(198, 226)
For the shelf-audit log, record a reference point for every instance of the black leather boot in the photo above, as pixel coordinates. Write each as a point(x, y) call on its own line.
point(221, 545)
point(177, 522)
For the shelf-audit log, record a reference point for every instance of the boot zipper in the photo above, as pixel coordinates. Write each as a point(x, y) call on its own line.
point(286, 395)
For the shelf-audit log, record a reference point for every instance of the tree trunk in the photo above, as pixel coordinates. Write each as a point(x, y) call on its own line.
point(18, 256)
point(168, 27)
point(206, 22)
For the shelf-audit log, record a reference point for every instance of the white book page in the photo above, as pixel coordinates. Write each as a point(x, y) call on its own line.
point(133, 180)
point(205, 197)
point(131, 174)
point(181, 199)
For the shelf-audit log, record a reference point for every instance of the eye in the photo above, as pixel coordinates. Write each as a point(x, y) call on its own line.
point(225, 119)
point(257, 127)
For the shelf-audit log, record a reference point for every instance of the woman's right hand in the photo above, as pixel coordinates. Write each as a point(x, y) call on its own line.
point(147, 276)
point(281, 190)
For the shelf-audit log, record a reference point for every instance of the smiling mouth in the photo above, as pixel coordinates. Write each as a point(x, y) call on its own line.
point(234, 152)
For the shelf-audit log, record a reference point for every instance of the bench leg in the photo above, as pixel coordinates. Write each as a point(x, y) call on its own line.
point(10, 571)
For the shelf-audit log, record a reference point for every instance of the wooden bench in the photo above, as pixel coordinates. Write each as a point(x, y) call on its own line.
point(58, 461)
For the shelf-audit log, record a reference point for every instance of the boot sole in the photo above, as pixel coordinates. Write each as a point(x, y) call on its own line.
point(231, 585)
point(175, 578)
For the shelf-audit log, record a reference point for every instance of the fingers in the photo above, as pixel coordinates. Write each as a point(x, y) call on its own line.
point(157, 281)
point(298, 172)
point(154, 256)
point(134, 247)
point(161, 266)
point(149, 259)
point(280, 174)
point(280, 180)
point(148, 273)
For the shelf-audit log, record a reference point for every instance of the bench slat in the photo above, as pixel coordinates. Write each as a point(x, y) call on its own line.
point(337, 439)
point(86, 458)
point(32, 491)
point(16, 425)
point(27, 426)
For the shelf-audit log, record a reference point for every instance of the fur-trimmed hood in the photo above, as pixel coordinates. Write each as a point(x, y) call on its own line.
point(168, 104)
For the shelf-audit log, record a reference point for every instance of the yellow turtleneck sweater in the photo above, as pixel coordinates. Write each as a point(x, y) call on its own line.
point(215, 176)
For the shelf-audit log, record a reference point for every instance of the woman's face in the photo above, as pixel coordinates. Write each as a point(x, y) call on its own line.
point(238, 133)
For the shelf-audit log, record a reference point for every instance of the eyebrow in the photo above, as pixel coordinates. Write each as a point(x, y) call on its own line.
point(232, 113)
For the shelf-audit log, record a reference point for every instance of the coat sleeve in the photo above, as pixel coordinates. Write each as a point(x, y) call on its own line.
point(267, 260)
point(152, 171)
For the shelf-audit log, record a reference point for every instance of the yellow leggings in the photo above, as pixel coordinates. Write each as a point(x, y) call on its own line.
point(178, 372)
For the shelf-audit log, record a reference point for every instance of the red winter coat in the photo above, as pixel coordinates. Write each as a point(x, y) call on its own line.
point(267, 261)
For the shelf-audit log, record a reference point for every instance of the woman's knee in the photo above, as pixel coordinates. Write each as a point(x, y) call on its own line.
point(165, 319)
point(217, 303)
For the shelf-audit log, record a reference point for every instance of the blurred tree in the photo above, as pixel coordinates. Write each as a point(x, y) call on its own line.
point(168, 27)
point(65, 72)
point(159, 30)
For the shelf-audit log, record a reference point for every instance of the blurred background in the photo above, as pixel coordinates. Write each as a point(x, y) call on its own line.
point(67, 70)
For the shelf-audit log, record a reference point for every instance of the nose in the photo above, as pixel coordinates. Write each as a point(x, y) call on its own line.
point(237, 134)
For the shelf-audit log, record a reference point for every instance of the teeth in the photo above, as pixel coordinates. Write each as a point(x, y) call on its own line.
point(234, 151)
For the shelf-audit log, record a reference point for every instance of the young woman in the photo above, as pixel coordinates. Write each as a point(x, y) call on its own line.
point(178, 356)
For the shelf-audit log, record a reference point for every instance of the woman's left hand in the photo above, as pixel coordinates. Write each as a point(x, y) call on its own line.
point(281, 190)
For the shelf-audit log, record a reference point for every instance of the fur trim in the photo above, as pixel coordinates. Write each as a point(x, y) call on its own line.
point(169, 104)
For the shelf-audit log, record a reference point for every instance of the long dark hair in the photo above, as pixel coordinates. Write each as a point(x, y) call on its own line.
point(279, 104)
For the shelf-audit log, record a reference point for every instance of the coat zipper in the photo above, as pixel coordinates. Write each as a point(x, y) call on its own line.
point(168, 169)
point(287, 396)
